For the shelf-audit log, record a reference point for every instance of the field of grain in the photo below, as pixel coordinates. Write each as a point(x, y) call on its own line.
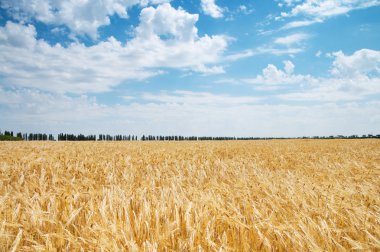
point(190, 196)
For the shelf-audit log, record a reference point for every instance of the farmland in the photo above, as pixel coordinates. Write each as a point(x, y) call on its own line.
point(280, 195)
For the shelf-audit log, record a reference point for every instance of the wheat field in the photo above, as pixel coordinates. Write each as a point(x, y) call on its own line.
point(279, 195)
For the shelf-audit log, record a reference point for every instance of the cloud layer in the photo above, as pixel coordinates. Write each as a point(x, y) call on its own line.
point(165, 38)
point(183, 113)
point(316, 11)
point(353, 77)
point(82, 17)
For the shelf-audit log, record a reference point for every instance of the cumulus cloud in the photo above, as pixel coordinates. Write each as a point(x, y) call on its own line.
point(361, 62)
point(353, 77)
point(18, 36)
point(164, 20)
point(210, 8)
point(82, 17)
point(76, 69)
point(165, 37)
point(273, 78)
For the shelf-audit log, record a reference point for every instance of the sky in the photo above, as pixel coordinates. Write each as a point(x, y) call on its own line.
point(264, 68)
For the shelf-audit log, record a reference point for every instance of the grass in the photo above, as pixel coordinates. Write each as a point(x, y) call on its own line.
point(290, 195)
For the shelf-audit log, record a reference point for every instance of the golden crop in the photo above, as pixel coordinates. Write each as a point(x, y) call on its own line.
point(304, 195)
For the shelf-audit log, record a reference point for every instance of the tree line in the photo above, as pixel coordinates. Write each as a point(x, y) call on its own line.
point(10, 136)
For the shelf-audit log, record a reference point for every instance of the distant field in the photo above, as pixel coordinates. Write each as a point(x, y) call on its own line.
point(281, 195)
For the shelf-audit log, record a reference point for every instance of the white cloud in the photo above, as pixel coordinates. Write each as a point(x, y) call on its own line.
point(231, 14)
point(165, 20)
point(28, 62)
point(274, 78)
point(292, 39)
point(354, 77)
point(18, 36)
point(279, 51)
point(329, 8)
point(301, 23)
point(263, 50)
point(319, 10)
point(58, 30)
point(288, 2)
point(245, 10)
point(361, 62)
point(76, 69)
point(210, 8)
point(82, 17)
point(288, 67)
point(240, 55)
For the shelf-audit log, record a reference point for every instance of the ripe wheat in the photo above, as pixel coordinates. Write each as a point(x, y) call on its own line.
point(289, 195)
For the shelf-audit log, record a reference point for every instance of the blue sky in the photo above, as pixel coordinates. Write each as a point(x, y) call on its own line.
point(200, 67)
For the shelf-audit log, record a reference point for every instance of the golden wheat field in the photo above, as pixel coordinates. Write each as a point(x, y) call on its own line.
point(279, 195)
